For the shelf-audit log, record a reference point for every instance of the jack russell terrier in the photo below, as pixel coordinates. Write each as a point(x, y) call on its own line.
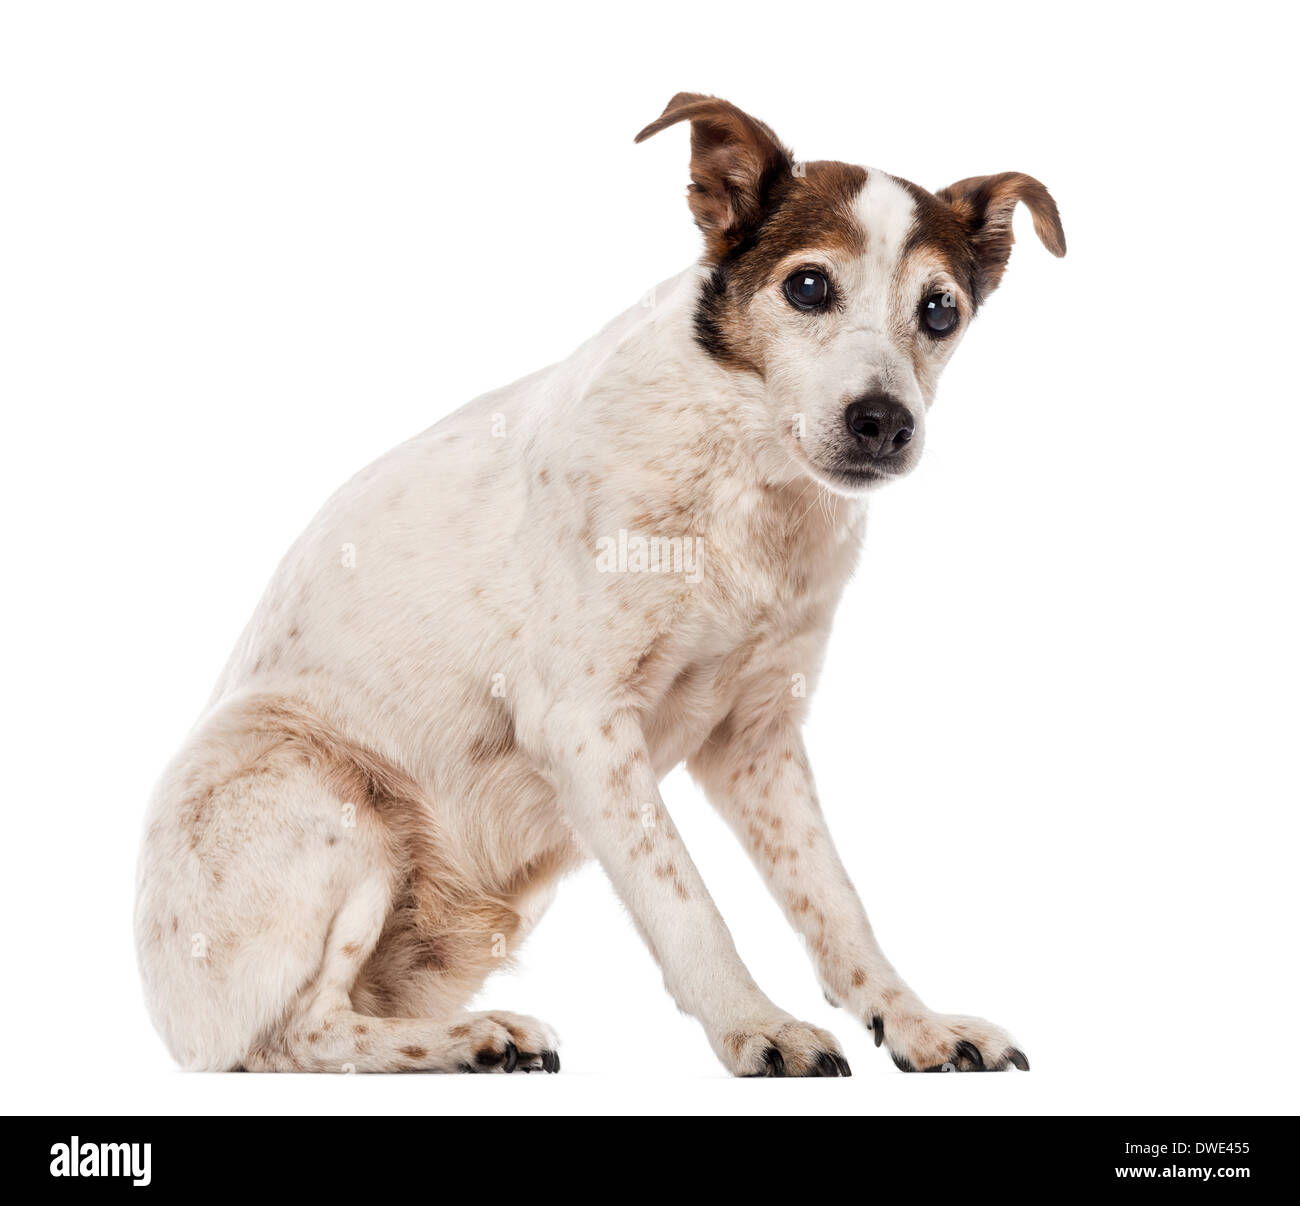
point(472, 670)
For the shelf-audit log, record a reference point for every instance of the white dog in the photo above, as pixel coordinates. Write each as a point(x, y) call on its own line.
point(472, 670)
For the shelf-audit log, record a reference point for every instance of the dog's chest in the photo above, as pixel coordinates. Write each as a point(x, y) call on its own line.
point(756, 621)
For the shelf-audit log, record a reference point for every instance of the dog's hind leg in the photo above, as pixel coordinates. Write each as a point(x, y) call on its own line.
point(266, 880)
point(324, 1033)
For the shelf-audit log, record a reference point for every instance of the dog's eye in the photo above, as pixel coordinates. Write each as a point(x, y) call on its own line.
point(807, 289)
point(939, 313)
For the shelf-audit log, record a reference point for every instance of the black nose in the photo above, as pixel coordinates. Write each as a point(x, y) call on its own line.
point(880, 425)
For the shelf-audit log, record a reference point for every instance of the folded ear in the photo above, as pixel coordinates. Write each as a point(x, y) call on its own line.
point(735, 161)
point(985, 205)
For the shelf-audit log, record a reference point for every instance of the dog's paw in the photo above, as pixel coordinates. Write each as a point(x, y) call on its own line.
point(782, 1047)
point(504, 1042)
point(946, 1042)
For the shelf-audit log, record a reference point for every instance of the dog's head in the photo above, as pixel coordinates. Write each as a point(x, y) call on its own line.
point(845, 290)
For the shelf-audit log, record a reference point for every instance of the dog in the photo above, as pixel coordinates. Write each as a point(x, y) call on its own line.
point(472, 670)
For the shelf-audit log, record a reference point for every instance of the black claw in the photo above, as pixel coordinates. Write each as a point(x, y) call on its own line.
point(773, 1064)
point(901, 1062)
point(843, 1065)
point(826, 1065)
point(512, 1057)
point(972, 1053)
point(878, 1027)
point(1017, 1057)
point(550, 1061)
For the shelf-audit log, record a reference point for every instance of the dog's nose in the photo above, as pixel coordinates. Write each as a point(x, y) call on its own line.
point(880, 425)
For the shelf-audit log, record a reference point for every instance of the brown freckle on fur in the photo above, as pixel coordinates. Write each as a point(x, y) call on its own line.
point(314, 1037)
point(176, 921)
point(413, 1052)
point(294, 633)
point(360, 1028)
point(543, 476)
point(351, 948)
point(459, 1032)
point(607, 731)
point(859, 978)
point(644, 846)
point(669, 872)
point(331, 840)
point(590, 669)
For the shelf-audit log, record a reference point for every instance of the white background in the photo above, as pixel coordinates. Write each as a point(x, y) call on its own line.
point(245, 248)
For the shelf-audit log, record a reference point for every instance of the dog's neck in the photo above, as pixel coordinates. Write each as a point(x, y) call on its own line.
point(645, 409)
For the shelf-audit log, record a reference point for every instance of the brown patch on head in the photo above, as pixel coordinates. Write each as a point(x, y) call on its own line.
point(756, 208)
point(814, 211)
point(937, 229)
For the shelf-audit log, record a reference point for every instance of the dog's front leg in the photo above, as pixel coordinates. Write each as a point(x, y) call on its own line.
point(759, 778)
point(608, 792)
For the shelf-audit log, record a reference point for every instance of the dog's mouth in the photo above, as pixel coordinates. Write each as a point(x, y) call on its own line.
point(857, 477)
point(873, 471)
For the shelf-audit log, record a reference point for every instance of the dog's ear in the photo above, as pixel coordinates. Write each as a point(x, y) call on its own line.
point(985, 205)
point(735, 161)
